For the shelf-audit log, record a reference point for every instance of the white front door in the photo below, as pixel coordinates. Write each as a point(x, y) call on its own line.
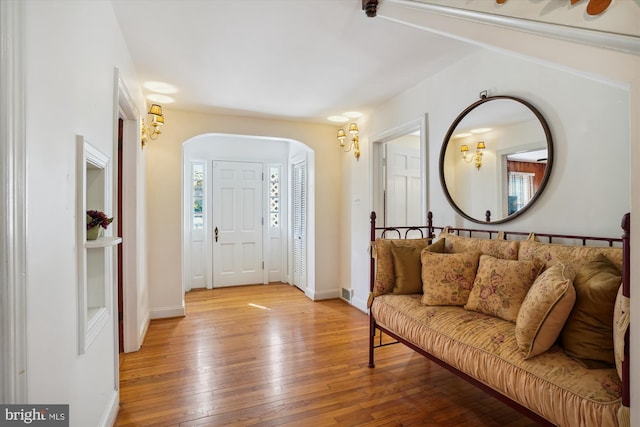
point(237, 219)
point(402, 196)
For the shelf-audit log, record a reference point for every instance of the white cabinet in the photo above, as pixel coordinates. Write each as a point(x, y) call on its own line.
point(94, 191)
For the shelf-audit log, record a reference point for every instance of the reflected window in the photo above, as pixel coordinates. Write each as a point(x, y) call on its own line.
point(521, 190)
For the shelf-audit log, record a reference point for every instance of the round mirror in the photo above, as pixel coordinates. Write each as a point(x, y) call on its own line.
point(496, 159)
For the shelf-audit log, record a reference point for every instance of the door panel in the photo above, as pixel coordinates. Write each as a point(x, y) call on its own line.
point(237, 223)
point(403, 196)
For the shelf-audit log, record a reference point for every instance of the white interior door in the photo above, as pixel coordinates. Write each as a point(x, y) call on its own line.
point(402, 196)
point(299, 219)
point(237, 221)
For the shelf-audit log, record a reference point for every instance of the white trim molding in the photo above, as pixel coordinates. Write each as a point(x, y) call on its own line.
point(13, 227)
point(167, 312)
point(618, 42)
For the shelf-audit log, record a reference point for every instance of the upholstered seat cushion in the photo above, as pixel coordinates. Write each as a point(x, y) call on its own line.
point(551, 384)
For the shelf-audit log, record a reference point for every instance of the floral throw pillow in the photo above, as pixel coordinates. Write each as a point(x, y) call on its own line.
point(545, 309)
point(501, 285)
point(447, 278)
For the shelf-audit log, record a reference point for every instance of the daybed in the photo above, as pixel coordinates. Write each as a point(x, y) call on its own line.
point(527, 319)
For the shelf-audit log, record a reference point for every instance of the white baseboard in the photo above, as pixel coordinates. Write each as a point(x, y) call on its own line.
point(165, 312)
point(329, 294)
point(111, 411)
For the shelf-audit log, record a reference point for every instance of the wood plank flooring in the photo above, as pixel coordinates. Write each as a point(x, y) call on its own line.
point(268, 356)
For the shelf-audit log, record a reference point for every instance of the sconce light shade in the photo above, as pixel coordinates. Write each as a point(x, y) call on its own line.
point(341, 136)
point(475, 158)
point(355, 140)
point(156, 110)
point(152, 130)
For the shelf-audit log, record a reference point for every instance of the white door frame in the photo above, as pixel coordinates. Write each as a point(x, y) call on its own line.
point(377, 183)
point(134, 327)
point(13, 227)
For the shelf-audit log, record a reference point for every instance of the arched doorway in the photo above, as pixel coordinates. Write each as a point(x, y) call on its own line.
point(239, 211)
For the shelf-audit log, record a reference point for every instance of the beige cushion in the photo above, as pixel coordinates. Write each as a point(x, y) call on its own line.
point(575, 255)
point(588, 333)
point(505, 249)
point(545, 310)
point(501, 285)
point(447, 278)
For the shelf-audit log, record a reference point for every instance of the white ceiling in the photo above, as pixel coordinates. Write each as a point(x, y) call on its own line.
point(301, 59)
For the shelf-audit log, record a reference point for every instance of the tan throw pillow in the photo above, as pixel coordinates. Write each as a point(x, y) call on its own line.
point(407, 266)
point(545, 310)
point(501, 285)
point(588, 333)
point(447, 278)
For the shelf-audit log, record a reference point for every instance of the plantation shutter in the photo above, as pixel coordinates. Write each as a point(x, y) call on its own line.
point(299, 224)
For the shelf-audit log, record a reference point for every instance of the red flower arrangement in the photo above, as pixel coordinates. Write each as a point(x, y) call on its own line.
point(95, 218)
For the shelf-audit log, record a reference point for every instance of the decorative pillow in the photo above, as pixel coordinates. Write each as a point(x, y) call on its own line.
point(620, 326)
point(577, 256)
point(504, 249)
point(407, 265)
point(501, 285)
point(447, 278)
point(588, 333)
point(385, 273)
point(545, 310)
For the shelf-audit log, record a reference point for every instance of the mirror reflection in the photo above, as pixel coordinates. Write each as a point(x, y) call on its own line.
point(495, 159)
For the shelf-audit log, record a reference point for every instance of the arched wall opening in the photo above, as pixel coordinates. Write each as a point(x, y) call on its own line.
point(209, 217)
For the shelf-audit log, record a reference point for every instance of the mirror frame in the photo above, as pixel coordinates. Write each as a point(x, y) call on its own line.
point(484, 99)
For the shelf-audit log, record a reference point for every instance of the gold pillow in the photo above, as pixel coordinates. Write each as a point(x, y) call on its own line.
point(501, 285)
point(447, 278)
point(545, 310)
point(385, 273)
point(385, 269)
point(407, 266)
point(588, 333)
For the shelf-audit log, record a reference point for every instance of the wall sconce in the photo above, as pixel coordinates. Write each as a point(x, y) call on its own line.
point(477, 157)
point(355, 141)
point(157, 120)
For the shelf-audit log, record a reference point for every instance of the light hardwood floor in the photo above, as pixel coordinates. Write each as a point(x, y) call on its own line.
point(267, 356)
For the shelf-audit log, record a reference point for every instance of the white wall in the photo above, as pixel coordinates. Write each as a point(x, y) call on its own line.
point(164, 163)
point(591, 99)
point(71, 51)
